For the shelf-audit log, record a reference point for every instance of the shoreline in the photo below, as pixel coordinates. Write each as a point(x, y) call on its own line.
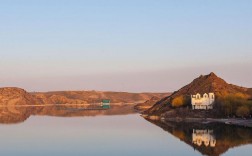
point(226, 121)
point(67, 104)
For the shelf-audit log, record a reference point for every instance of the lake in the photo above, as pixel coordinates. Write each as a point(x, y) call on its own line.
point(119, 131)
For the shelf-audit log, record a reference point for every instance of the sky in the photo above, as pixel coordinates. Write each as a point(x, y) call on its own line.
point(130, 45)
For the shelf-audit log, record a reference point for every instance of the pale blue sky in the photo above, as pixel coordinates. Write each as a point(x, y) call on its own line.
point(130, 45)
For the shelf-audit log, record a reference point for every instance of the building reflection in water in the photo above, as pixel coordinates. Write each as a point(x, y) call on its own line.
point(203, 138)
point(212, 139)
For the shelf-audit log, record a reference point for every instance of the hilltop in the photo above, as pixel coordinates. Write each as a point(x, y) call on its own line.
point(202, 84)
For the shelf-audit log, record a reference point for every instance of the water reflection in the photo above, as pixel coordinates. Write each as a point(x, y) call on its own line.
point(208, 139)
point(203, 137)
point(17, 114)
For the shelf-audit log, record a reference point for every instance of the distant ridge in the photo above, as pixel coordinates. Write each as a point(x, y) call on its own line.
point(83, 97)
point(18, 96)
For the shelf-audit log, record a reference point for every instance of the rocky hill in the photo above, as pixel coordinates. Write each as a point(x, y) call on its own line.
point(202, 84)
point(16, 96)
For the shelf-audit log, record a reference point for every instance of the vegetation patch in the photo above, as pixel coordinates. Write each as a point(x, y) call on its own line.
point(178, 101)
point(236, 105)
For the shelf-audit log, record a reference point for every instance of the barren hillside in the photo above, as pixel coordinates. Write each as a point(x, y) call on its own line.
point(16, 96)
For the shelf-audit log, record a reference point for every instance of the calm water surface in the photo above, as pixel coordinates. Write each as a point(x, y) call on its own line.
point(127, 134)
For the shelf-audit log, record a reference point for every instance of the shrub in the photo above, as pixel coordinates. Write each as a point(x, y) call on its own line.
point(242, 111)
point(234, 104)
point(178, 101)
point(240, 96)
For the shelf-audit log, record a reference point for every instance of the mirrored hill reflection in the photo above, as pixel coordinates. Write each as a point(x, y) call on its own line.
point(209, 139)
point(12, 114)
point(17, 114)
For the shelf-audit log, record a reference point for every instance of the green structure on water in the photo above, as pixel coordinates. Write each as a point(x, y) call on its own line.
point(105, 103)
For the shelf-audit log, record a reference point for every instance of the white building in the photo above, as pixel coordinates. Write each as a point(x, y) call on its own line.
point(205, 102)
point(203, 137)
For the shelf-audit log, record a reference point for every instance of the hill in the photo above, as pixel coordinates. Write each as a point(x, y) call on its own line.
point(16, 96)
point(203, 84)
